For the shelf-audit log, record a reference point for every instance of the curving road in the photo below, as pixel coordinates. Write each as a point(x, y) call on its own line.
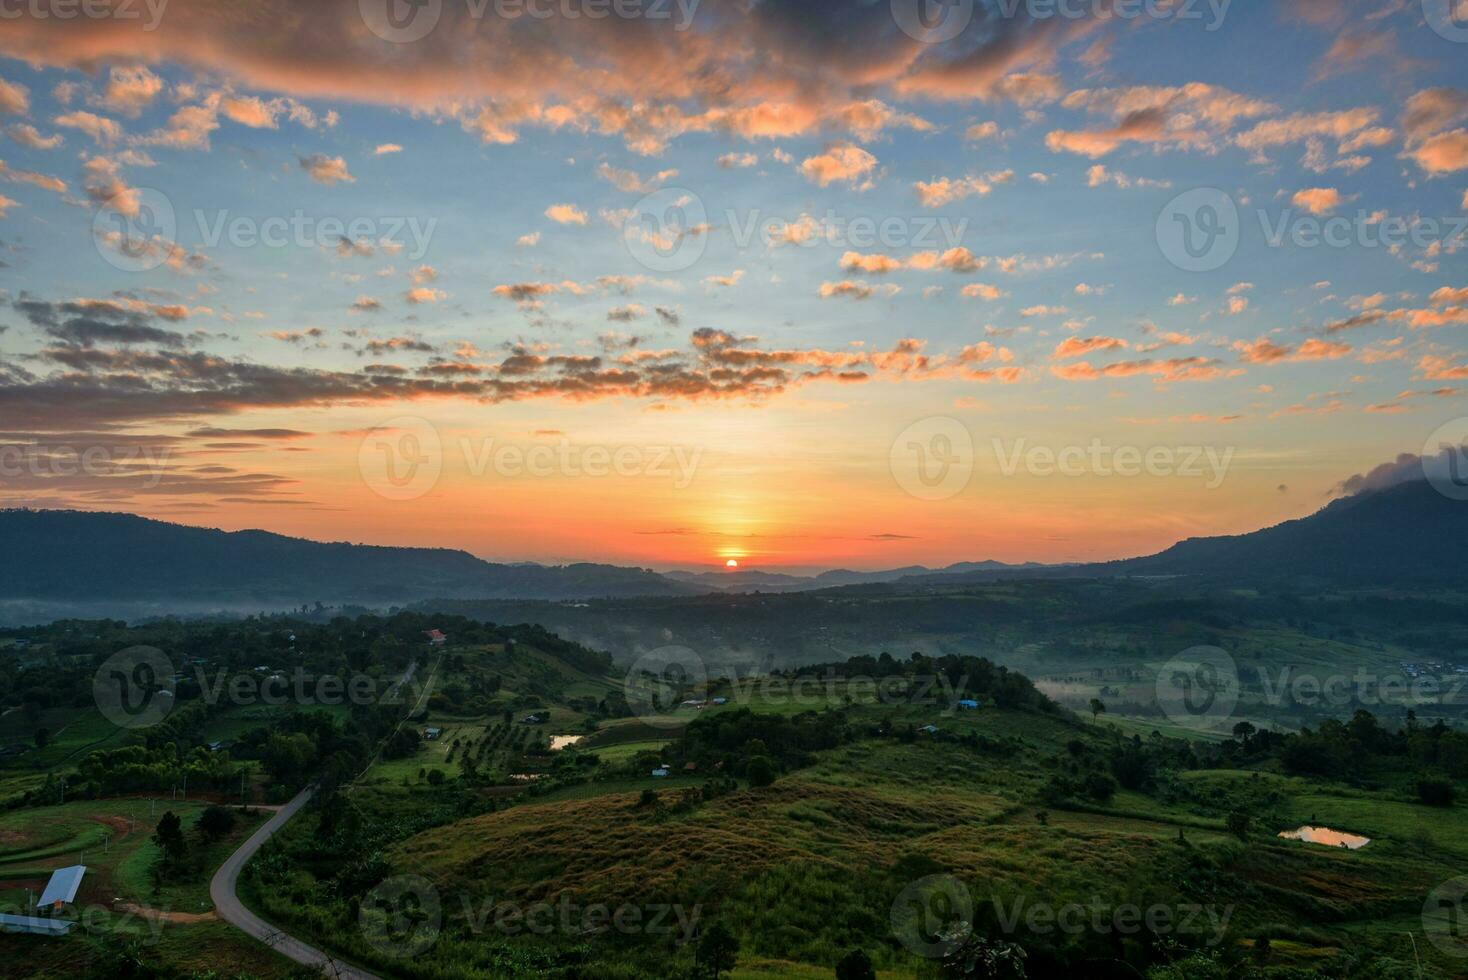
point(229, 908)
point(222, 886)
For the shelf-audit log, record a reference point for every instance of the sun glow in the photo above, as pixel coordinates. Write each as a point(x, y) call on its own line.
point(731, 563)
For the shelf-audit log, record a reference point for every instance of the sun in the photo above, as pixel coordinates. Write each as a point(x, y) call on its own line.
point(731, 563)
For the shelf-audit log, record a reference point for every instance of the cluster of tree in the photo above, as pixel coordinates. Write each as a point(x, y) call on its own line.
point(179, 857)
point(138, 768)
point(757, 746)
point(1360, 749)
point(969, 677)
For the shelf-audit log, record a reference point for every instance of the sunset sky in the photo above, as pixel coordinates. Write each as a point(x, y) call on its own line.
point(292, 265)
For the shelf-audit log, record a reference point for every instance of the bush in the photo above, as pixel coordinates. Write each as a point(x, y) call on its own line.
point(216, 821)
point(760, 771)
point(855, 965)
point(1435, 792)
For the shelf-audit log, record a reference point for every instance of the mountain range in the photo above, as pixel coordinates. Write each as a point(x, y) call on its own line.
point(124, 565)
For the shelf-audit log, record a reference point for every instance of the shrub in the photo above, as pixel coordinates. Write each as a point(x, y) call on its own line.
point(1435, 792)
point(855, 965)
point(760, 771)
point(216, 821)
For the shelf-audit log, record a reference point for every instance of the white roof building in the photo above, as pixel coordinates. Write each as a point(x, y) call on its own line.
point(62, 888)
point(34, 925)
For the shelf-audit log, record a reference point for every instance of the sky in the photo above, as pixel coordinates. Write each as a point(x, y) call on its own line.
point(794, 283)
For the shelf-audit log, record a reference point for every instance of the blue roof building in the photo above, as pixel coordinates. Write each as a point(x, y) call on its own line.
point(61, 889)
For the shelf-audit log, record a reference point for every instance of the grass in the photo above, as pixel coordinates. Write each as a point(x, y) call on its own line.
point(43, 839)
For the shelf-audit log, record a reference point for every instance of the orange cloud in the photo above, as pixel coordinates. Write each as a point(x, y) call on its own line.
point(1317, 200)
point(840, 163)
point(1080, 346)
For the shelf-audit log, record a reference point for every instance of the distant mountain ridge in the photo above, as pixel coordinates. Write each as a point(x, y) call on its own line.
point(755, 580)
point(79, 556)
point(76, 563)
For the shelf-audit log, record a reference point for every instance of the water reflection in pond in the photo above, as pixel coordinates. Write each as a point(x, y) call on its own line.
point(1326, 836)
point(559, 742)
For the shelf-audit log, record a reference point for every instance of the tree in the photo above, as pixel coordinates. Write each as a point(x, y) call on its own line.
point(435, 777)
point(170, 840)
point(1098, 708)
point(855, 965)
point(43, 737)
point(1238, 824)
point(287, 757)
point(718, 952)
point(760, 771)
point(216, 821)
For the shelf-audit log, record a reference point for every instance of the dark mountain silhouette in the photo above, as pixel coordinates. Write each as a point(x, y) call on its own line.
point(1404, 535)
point(121, 565)
point(1409, 534)
point(78, 557)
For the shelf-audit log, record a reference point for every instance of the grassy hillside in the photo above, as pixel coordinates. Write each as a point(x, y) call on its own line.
point(819, 862)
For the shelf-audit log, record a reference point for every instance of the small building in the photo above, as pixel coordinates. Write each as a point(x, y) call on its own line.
point(968, 705)
point(929, 729)
point(216, 746)
point(431, 734)
point(660, 773)
point(721, 700)
point(436, 637)
point(61, 889)
point(693, 704)
point(35, 926)
point(532, 720)
point(690, 767)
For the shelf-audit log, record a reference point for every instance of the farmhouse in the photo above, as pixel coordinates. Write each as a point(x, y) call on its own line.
point(61, 889)
point(436, 637)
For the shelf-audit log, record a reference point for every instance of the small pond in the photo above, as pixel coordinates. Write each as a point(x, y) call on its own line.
point(1326, 836)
